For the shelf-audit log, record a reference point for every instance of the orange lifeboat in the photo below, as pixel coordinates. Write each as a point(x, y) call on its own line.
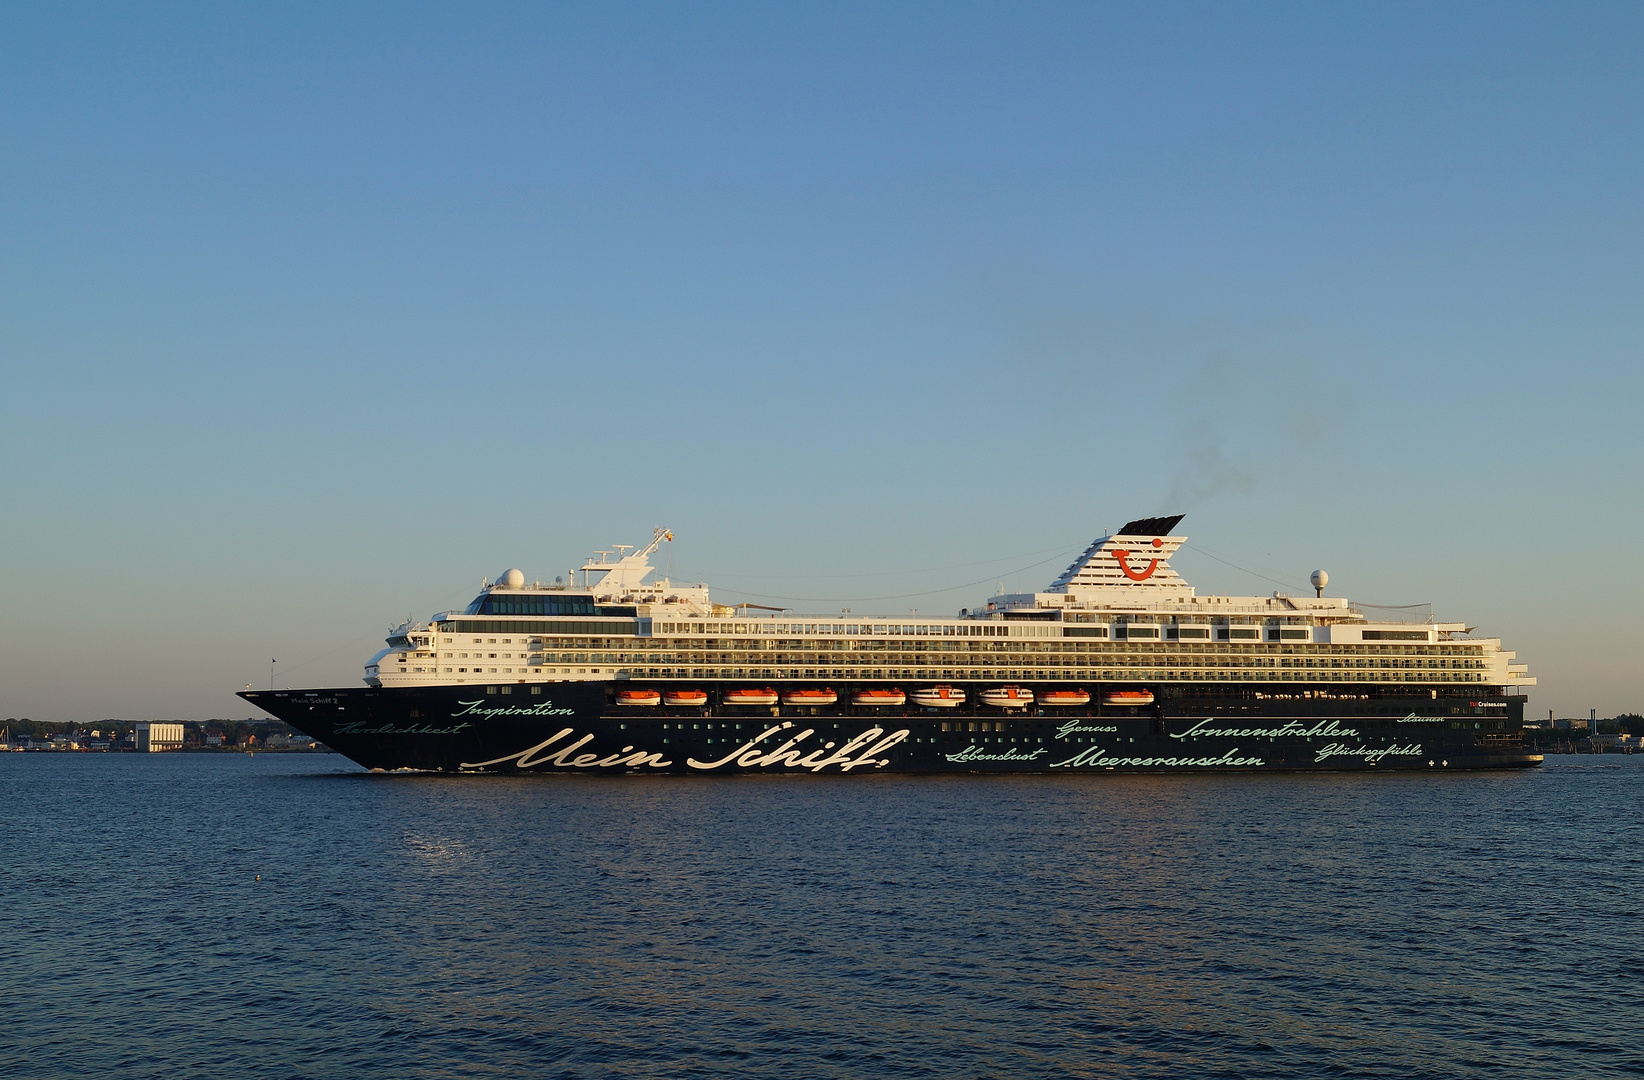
point(878, 697)
point(767, 696)
point(685, 697)
point(809, 697)
point(638, 697)
point(1127, 697)
point(939, 697)
point(1008, 697)
point(1065, 697)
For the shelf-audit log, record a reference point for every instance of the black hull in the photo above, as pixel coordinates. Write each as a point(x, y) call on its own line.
point(576, 727)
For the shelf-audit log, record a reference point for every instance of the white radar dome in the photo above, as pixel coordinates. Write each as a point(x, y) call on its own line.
point(1320, 579)
point(512, 579)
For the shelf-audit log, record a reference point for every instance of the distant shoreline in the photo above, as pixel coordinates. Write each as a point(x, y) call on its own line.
point(179, 750)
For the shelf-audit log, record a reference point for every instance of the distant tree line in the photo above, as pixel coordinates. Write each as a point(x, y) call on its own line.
point(1626, 724)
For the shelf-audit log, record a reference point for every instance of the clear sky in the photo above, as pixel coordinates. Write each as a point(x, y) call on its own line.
point(312, 316)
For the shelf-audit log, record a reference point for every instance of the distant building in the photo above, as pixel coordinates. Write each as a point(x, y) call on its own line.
point(159, 735)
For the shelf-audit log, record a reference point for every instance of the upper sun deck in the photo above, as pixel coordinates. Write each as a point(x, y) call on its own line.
point(1118, 587)
point(1116, 604)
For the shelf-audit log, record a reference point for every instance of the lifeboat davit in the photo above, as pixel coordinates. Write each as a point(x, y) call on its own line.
point(1127, 697)
point(638, 697)
point(1065, 697)
point(766, 696)
point(878, 697)
point(1008, 697)
point(809, 697)
point(939, 697)
point(685, 697)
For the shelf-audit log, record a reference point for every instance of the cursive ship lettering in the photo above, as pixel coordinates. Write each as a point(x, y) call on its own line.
point(363, 727)
point(1073, 727)
point(1372, 754)
point(525, 759)
point(855, 752)
point(1097, 757)
point(977, 753)
point(1414, 719)
point(1321, 729)
point(545, 708)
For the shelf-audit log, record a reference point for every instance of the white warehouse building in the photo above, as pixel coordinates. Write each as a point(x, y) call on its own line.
point(159, 735)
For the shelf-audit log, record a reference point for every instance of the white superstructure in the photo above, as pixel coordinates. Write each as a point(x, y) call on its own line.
point(1119, 614)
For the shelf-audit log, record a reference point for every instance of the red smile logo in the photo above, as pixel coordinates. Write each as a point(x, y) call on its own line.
point(1123, 556)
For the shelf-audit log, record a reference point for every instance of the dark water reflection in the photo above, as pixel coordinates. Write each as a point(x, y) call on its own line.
point(1072, 926)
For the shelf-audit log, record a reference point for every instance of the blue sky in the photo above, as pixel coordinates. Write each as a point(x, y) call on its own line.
point(310, 316)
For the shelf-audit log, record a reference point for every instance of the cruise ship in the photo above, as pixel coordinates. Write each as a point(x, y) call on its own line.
point(1117, 666)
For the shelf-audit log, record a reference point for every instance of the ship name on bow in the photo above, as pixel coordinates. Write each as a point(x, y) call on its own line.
point(627, 757)
point(857, 751)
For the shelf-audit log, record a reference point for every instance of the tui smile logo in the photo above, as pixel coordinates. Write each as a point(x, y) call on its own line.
point(1137, 575)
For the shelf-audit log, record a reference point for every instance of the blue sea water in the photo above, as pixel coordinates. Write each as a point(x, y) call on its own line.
point(192, 915)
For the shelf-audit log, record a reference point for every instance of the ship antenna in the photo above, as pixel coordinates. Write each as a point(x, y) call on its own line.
point(658, 535)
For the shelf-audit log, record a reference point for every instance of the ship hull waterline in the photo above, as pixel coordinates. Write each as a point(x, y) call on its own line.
point(578, 728)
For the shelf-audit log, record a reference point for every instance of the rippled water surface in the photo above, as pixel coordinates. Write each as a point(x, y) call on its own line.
point(1251, 926)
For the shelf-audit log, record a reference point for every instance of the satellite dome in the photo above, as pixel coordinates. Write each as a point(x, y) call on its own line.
point(512, 579)
point(1320, 579)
